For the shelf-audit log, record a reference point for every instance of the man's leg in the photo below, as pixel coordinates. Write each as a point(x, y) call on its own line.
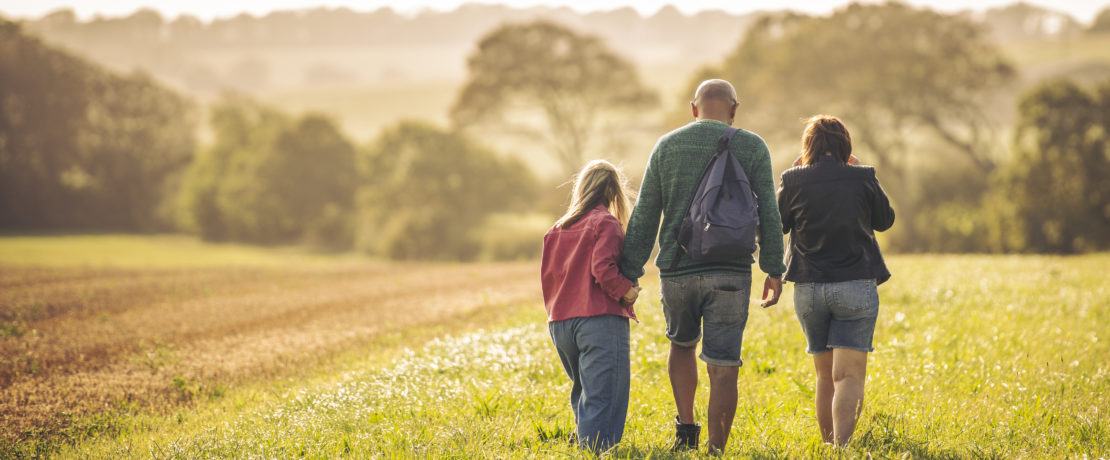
point(682, 301)
point(823, 362)
point(849, 372)
point(722, 404)
point(725, 315)
point(683, 369)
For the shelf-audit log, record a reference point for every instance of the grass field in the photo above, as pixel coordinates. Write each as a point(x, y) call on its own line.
point(94, 327)
point(977, 357)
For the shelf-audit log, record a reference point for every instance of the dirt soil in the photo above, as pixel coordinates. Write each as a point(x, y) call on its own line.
point(82, 341)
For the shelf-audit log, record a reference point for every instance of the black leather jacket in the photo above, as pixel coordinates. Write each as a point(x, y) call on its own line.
point(831, 209)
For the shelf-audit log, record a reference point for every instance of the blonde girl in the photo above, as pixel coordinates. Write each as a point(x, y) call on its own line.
point(589, 302)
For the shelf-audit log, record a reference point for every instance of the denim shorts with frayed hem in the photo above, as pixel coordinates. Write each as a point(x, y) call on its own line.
point(720, 301)
point(837, 315)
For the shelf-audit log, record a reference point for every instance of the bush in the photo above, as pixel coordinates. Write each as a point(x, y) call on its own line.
point(268, 179)
point(82, 148)
point(426, 191)
point(508, 236)
point(1057, 182)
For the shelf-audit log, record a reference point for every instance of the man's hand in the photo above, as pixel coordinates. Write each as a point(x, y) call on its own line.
point(630, 296)
point(775, 286)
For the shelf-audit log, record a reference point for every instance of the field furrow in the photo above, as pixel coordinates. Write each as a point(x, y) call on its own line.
point(80, 341)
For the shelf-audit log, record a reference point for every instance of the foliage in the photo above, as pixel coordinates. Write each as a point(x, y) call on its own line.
point(1057, 185)
point(1101, 24)
point(140, 140)
point(573, 82)
point(1021, 347)
point(512, 236)
point(82, 148)
point(887, 68)
point(427, 189)
point(899, 76)
point(268, 179)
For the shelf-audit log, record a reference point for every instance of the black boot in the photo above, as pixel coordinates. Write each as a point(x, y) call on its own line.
point(685, 436)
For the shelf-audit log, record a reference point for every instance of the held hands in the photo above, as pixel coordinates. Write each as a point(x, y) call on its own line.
point(630, 297)
point(775, 286)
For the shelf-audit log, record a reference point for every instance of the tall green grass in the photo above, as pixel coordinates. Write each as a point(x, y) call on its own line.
point(977, 357)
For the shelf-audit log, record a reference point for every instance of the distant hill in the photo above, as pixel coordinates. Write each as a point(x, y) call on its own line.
point(1022, 21)
point(320, 48)
point(369, 69)
point(339, 46)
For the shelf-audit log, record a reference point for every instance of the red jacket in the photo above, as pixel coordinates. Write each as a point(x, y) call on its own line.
point(579, 268)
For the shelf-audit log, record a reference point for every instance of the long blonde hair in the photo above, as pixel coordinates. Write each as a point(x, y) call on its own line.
point(599, 183)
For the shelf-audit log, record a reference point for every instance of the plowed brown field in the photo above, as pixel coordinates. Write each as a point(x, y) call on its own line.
point(81, 341)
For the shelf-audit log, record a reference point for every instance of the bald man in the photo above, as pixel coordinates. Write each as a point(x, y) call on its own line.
point(715, 294)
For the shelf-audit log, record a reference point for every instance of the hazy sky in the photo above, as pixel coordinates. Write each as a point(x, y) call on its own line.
point(1083, 10)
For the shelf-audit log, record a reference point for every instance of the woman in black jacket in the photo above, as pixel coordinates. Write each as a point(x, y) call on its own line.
point(831, 207)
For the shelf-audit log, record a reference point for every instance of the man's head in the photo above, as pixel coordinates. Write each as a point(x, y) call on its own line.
point(715, 100)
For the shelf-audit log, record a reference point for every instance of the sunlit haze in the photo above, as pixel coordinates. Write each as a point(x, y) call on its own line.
point(1083, 10)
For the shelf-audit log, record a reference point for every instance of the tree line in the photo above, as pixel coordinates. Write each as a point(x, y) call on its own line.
point(186, 50)
point(343, 26)
point(417, 192)
point(84, 149)
point(917, 89)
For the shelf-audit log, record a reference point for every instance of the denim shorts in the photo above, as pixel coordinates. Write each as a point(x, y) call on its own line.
point(719, 301)
point(837, 315)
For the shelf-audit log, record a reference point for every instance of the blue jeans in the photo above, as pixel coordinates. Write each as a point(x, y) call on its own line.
point(595, 353)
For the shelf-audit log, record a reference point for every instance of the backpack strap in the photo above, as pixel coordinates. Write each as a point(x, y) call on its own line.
point(723, 143)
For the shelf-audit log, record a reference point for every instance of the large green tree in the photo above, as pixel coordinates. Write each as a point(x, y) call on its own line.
point(271, 179)
point(427, 190)
point(138, 142)
point(82, 148)
point(547, 83)
point(904, 79)
point(1058, 185)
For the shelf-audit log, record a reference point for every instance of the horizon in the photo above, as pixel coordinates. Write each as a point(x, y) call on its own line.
point(208, 10)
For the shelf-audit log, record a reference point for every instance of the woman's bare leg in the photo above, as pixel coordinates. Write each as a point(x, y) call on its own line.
point(849, 369)
point(823, 362)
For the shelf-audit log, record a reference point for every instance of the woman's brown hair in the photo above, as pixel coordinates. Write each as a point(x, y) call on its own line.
point(825, 134)
point(599, 183)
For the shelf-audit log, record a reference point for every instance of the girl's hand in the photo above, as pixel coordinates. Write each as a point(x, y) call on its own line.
point(631, 296)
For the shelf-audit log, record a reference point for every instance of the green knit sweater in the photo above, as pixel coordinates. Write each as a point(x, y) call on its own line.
point(672, 174)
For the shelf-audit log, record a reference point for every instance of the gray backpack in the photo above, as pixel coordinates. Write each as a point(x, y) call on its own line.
point(721, 222)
